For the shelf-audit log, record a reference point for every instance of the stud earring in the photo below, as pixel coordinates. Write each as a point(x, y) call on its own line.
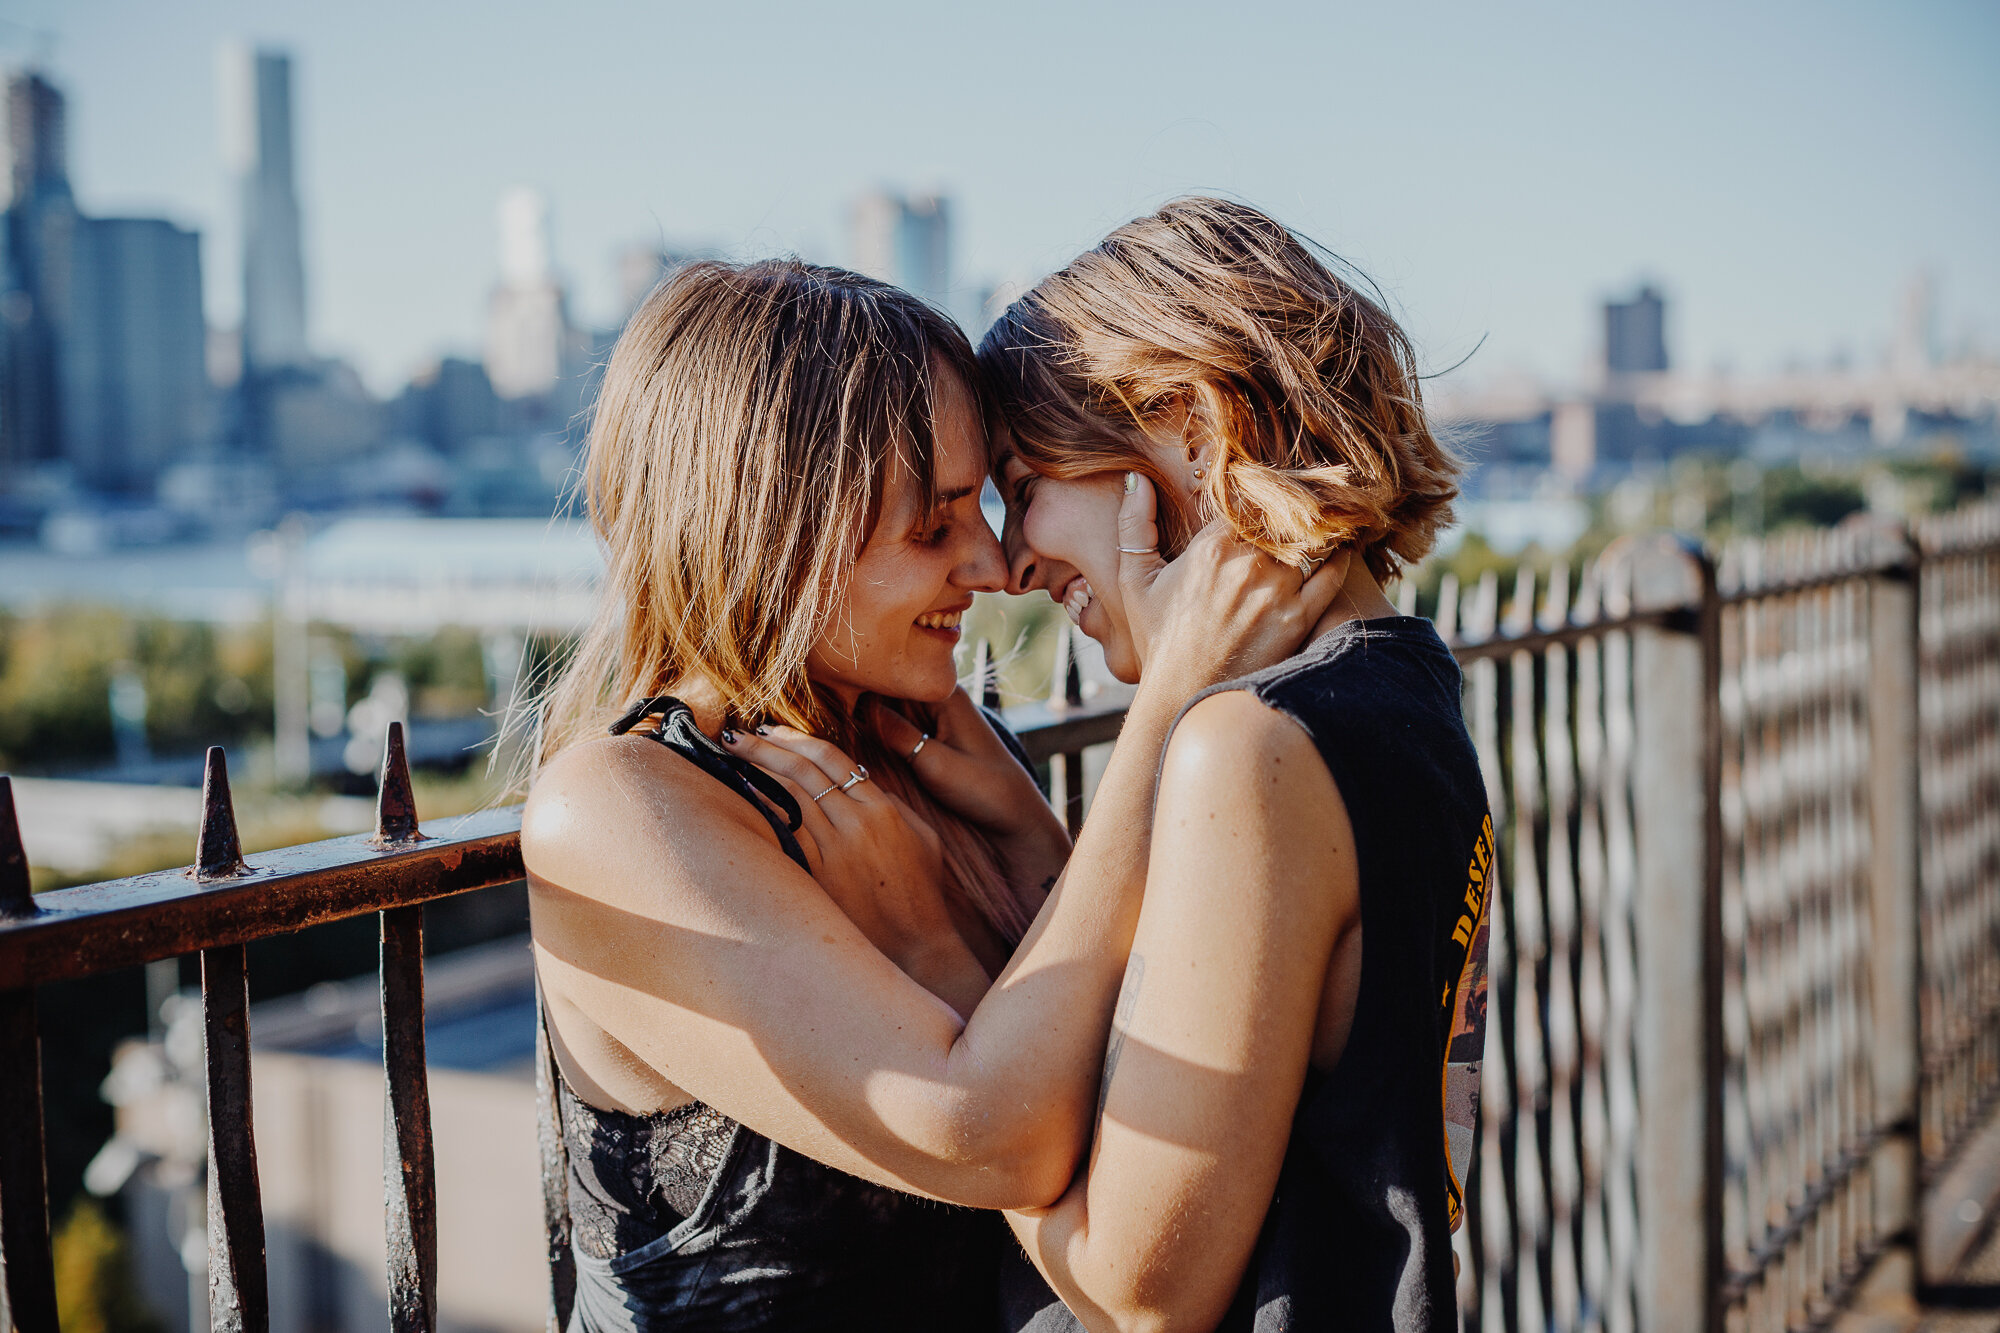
point(1199, 474)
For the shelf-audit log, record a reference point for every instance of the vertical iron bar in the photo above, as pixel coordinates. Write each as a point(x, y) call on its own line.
point(1708, 628)
point(238, 1295)
point(555, 1173)
point(27, 1268)
point(408, 1175)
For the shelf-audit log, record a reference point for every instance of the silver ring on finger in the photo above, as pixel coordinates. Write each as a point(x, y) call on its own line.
point(1308, 567)
point(859, 774)
point(828, 792)
point(922, 741)
point(1140, 550)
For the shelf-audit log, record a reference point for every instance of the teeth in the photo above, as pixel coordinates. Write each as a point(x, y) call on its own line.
point(1078, 601)
point(940, 619)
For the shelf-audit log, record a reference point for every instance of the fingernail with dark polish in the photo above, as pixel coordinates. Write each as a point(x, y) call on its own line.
point(728, 736)
point(763, 731)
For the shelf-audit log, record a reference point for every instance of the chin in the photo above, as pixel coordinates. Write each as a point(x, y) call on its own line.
point(1119, 659)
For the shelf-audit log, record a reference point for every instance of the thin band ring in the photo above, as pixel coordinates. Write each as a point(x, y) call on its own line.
point(829, 790)
point(921, 743)
point(1309, 567)
point(859, 774)
point(1140, 550)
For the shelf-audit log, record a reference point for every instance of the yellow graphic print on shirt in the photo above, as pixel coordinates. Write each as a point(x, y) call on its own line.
point(1463, 1006)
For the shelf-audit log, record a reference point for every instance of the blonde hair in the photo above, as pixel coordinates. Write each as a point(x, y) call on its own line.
point(748, 421)
point(1211, 309)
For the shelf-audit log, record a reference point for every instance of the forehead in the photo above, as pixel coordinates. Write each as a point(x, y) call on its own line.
point(958, 451)
point(959, 436)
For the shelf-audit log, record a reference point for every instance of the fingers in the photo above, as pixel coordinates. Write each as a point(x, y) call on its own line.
point(829, 759)
point(1319, 590)
point(899, 734)
point(1139, 560)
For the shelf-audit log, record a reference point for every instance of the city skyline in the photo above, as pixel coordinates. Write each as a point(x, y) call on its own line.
point(1779, 176)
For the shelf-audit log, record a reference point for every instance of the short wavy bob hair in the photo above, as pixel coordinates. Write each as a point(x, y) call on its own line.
point(1211, 318)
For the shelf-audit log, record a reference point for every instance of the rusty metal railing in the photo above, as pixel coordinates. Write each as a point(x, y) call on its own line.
point(1746, 942)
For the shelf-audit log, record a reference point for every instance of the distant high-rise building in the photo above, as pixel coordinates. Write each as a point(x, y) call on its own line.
point(642, 268)
point(37, 152)
point(529, 342)
point(37, 242)
point(1635, 336)
point(135, 387)
point(101, 328)
point(905, 239)
point(257, 147)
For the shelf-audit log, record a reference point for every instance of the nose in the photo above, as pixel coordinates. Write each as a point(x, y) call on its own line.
point(1022, 565)
point(982, 567)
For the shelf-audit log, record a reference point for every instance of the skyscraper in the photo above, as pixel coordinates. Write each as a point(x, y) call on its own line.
point(37, 242)
point(1635, 340)
point(101, 327)
point(529, 344)
point(257, 144)
point(905, 239)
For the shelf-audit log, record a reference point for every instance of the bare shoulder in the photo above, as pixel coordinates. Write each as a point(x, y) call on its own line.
point(1236, 735)
point(1236, 759)
point(601, 808)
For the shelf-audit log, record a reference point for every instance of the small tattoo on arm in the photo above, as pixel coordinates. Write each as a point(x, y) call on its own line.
point(1121, 1019)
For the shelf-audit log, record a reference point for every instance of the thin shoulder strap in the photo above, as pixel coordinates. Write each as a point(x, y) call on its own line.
point(678, 733)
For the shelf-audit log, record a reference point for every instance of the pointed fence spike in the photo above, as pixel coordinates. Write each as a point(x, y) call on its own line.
point(988, 678)
point(1481, 611)
point(219, 853)
point(17, 897)
point(1059, 668)
point(395, 804)
point(1521, 613)
point(1586, 609)
point(1447, 607)
point(1555, 610)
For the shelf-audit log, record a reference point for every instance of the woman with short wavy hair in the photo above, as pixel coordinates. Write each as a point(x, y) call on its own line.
point(1287, 1107)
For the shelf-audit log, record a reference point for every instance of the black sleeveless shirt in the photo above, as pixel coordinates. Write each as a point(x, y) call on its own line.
point(1358, 1233)
point(686, 1219)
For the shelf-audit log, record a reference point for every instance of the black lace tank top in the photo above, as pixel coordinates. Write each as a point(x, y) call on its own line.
point(687, 1220)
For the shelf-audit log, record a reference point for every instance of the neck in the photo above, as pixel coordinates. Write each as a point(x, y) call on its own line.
point(704, 700)
point(1360, 598)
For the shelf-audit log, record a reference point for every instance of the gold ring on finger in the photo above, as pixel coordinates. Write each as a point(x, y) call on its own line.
point(859, 774)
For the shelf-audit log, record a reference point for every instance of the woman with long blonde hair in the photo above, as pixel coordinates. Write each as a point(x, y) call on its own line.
point(792, 1006)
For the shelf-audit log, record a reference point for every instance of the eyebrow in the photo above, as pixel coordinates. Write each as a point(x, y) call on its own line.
point(957, 493)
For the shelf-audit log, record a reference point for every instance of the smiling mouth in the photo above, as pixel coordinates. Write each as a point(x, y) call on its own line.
point(1077, 599)
point(940, 619)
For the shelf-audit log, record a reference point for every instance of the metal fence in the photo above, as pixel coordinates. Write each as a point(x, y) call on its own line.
point(1744, 991)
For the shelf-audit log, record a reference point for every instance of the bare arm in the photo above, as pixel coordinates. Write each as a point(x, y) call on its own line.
point(724, 968)
point(1253, 886)
point(666, 915)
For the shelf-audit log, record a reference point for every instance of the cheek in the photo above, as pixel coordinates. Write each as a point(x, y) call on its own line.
point(1069, 523)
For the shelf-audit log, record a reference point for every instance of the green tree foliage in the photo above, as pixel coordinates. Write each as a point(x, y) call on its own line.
point(203, 685)
point(1793, 497)
point(95, 1292)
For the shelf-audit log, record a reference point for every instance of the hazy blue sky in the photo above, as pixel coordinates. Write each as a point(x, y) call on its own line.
point(1781, 168)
